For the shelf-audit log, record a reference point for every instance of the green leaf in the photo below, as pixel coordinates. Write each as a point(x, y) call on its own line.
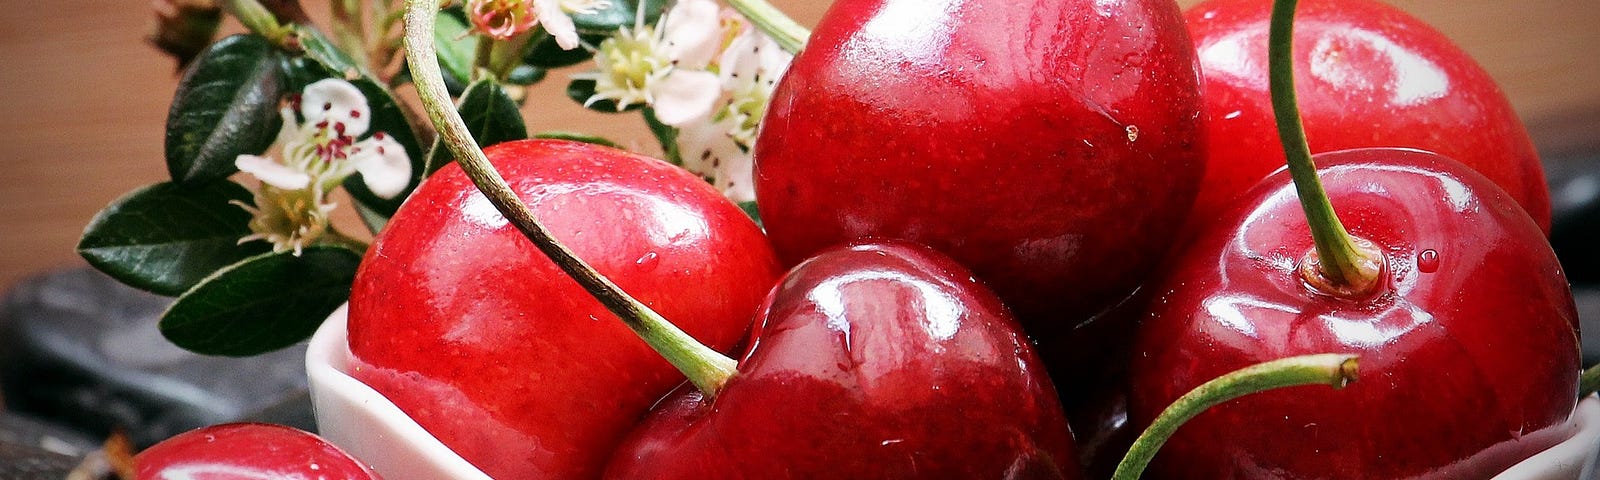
point(581, 89)
point(751, 210)
point(373, 220)
point(618, 14)
point(492, 117)
point(665, 134)
point(320, 49)
point(526, 75)
point(226, 105)
point(457, 47)
point(578, 137)
point(545, 53)
point(166, 237)
point(262, 303)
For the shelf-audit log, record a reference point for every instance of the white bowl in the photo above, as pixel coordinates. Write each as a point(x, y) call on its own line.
point(361, 421)
point(364, 423)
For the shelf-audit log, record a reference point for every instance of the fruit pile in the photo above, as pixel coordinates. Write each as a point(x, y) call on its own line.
point(983, 257)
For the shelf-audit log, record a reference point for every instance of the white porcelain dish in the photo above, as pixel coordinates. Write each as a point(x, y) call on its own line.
point(356, 418)
point(365, 424)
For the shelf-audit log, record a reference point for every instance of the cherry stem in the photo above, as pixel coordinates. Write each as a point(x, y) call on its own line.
point(1343, 266)
point(771, 21)
point(706, 368)
point(1335, 370)
point(258, 19)
point(1589, 382)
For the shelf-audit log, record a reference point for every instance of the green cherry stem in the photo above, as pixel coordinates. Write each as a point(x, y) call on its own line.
point(771, 21)
point(1335, 370)
point(705, 367)
point(1342, 266)
point(1589, 382)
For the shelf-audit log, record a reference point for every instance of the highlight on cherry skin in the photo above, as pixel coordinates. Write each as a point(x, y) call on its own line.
point(1471, 319)
point(1055, 157)
point(869, 360)
point(248, 451)
point(1368, 75)
point(473, 332)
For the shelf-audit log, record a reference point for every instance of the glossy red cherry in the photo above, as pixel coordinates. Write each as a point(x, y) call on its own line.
point(247, 451)
point(1469, 346)
point(1369, 75)
point(1053, 147)
point(474, 333)
point(872, 361)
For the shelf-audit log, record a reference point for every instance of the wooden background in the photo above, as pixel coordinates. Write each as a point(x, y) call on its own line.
point(83, 101)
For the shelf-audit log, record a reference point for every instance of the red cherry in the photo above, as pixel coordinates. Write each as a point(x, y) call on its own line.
point(247, 451)
point(472, 331)
point(1466, 369)
point(873, 361)
point(1053, 147)
point(1369, 75)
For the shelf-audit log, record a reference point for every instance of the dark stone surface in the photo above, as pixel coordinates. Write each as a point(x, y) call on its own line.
point(1588, 298)
point(18, 430)
point(79, 349)
point(21, 462)
point(1575, 215)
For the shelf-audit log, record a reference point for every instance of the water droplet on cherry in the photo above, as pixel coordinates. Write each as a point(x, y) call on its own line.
point(1428, 261)
point(648, 261)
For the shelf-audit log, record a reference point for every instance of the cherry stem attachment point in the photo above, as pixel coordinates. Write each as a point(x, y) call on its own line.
point(771, 21)
point(1589, 382)
point(1335, 370)
point(1343, 267)
point(706, 368)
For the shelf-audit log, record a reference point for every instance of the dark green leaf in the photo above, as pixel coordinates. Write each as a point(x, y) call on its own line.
point(618, 14)
point(262, 303)
point(456, 46)
point(581, 89)
point(373, 220)
point(751, 210)
point(226, 105)
point(667, 135)
point(578, 137)
point(166, 237)
point(492, 117)
point(321, 50)
point(525, 75)
point(546, 53)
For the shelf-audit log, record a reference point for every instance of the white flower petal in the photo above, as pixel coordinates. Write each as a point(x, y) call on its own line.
point(272, 173)
point(291, 126)
point(337, 102)
point(753, 56)
point(585, 7)
point(557, 23)
point(709, 151)
point(774, 60)
point(383, 165)
point(685, 95)
point(691, 33)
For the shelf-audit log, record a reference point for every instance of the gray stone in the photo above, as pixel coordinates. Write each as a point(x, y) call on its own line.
point(80, 349)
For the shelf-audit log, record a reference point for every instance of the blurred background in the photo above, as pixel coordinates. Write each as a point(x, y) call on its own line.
point(83, 102)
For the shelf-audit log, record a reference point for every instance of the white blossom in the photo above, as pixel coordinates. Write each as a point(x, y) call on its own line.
point(317, 150)
point(704, 70)
point(664, 68)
